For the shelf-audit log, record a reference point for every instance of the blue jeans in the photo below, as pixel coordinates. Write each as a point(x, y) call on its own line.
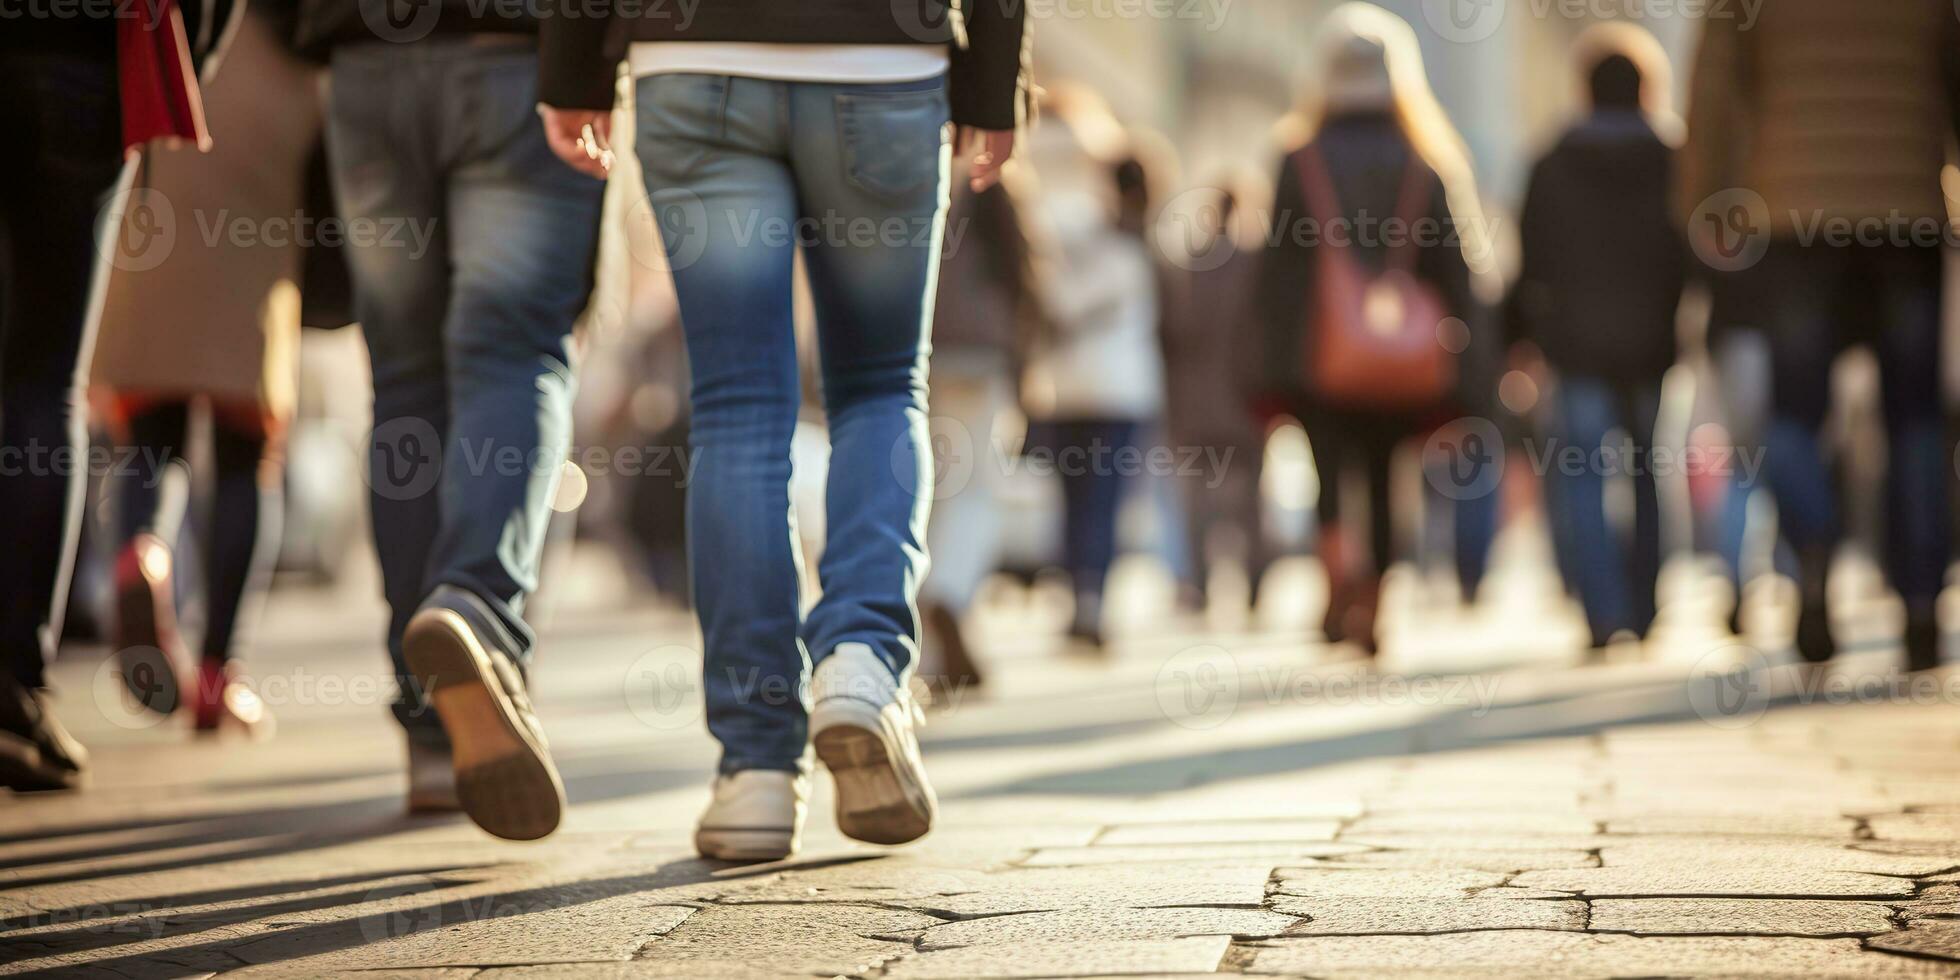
point(1614, 575)
point(743, 173)
point(1826, 299)
point(479, 262)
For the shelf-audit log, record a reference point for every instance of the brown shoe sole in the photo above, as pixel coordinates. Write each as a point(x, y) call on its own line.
point(504, 777)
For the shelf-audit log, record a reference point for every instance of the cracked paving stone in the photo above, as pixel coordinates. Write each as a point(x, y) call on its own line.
point(958, 893)
point(731, 968)
point(1220, 832)
point(1455, 822)
point(1346, 882)
point(1829, 855)
point(1572, 954)
point(1197, 955)
point(1275, 853)
point(821, 939)
point(1923, 938)
point(1940, 827)
point(543, 925)
point(1508, 862)
point(1667, 880)
point(1712, 824)
point(1758, 917)
point(1365, 916)
point(1103, 925)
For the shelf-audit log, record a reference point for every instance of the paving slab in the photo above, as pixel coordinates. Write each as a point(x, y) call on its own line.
point(1667, 880)
point(1274, 853)
point(1220, 832)
point(1751, 917)
point(1940, 940)
point(1410, 916)
point(1466, 859)
point(1347, 882)
point(1568, 954)
point(822, 938)
point(1093, 925)
point(1153, 957)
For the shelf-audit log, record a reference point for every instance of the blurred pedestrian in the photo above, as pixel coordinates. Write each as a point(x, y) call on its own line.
point(1817, 138)
point(982, 320)
point(1602, 271)
point(1210, 351)
point(212, 331)
point(472, 251)
point(82, 91)
point(1366, 291)
point(1095, 374)
point(801, 126)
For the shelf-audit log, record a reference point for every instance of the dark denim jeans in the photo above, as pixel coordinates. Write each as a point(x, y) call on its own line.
point(1615, 574)
point(743, 174)
point(1824, 299)
point(478, 262)
point(61, 164)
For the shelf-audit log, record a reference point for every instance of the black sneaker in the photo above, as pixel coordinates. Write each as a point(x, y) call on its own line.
point(505, 779)
point(36, 753)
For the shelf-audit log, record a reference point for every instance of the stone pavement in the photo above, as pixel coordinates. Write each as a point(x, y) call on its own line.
point(1209, 801)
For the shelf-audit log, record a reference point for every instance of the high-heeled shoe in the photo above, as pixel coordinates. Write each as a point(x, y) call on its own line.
point(149, 650)
point(223, 699)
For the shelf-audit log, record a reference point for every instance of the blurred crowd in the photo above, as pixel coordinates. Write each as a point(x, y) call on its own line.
point(1129, 339)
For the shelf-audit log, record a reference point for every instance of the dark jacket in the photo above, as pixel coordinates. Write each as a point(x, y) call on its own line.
point(1603, 263)
point(1367, 159)
point(584, 40)
point(1208, 350)
point(325, 24)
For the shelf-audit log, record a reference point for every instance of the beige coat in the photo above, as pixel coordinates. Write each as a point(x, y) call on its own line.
point(213, 308)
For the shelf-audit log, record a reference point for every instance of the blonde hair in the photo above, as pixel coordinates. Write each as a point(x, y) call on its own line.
point(1417, 113)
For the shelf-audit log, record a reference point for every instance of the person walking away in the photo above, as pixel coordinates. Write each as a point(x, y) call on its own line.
point(212, 330)
point(813, 118)
point(1816, 141)
point(84, 91)
point(981, 323)
point(480, 261)
point(1385, 350)
point(1095, 378)
point(1208, 337)
point(1602, 272)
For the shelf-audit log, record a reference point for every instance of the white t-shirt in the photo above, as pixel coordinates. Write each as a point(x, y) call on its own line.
point(790, 62)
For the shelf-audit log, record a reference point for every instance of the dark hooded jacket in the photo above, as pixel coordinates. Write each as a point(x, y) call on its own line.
point(1603, 263)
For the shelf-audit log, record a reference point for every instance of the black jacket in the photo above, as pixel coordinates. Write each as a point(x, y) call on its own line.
point(1367, 159)
point(324, 24)
point(584, 40)
point(1603, 263)
point(91, 30)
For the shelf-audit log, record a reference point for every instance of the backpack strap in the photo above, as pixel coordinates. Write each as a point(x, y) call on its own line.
point(1411, 206)
point(1323, 203)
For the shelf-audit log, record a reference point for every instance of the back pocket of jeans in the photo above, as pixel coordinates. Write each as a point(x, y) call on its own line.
point(891, 140)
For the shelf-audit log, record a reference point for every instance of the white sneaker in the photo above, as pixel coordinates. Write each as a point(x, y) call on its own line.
point(861, 722)
point(756, 815)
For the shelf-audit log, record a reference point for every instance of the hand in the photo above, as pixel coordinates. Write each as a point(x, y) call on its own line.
point(990, 149)
point(581, 137)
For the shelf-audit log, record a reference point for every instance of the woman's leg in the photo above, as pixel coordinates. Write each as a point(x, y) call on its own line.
point(721, 191)
point(243, 538)
point(157, 431)
point(872, 158)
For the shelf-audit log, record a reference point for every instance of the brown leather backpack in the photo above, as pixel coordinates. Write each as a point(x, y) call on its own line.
point(1373, 334)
